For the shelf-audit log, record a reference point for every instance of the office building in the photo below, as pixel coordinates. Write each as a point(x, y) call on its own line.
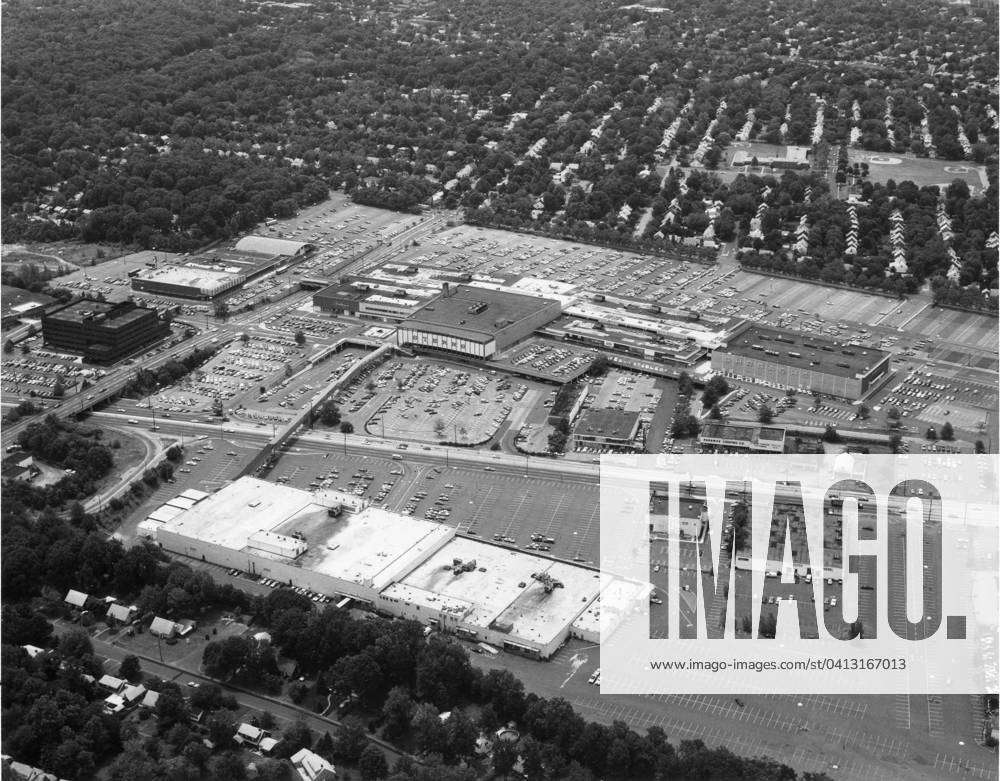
point(101, 331)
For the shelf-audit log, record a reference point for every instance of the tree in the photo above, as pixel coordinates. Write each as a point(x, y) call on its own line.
point(352, 738)
point(130, 669)
point(24, 626)
point(58, 389)
point(428, 730)
point(947, 431)
point(396, 712)
point(765, 415)
point(295, 737)
point(372, 764)
point(979, 446)
point(895, 443)
point(227, 766)
point(830, 434)
point(221, 729)
point(300, 338)
point(221, 309)
point(504, 757)
point(741, 525)
point(330, 414)
point(768, 626)
point(931, 434)
point(863, 412)
point(346, 427)
point(297, 692)
point(715, 389)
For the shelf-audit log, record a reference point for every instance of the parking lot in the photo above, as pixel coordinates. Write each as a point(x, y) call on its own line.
point(493, 505)
point(237, 372)
point(33, 370)
point(435, 401)
point(36, 373)
point(312, 326)
point(547, 359)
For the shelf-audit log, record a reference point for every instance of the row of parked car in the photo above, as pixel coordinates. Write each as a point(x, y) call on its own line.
point(272, 583)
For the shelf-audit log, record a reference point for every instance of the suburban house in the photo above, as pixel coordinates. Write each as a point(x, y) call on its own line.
point(122, 613)
point(312, 767)
point(76, 599)
point(163, 627)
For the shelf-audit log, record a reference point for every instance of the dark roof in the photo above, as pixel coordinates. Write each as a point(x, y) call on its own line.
point(476, 313)
point(342, 291)
point(610, 423)
point(80, 310)
point(804, 351)
point(107, 314)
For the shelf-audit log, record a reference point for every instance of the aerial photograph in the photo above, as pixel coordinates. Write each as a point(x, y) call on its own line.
point(319, 317)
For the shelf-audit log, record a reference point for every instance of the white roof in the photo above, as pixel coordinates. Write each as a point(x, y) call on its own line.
point(264, 245)
point(249, 731)
point(150, 699)
point(506, 591)
point(164, 513)
point(162, 626)
point(111, 682)
point(194, 493)
point(181, 502)
point(372, 547)
point(121, 612)
point(309, 764)
point(76, 598)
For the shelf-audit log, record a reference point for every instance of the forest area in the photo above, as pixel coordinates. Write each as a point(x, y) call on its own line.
point(195, 121)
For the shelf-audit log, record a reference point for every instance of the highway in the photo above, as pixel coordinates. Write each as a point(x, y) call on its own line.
point(413, 453)
point(112, 384)
point(216, 334)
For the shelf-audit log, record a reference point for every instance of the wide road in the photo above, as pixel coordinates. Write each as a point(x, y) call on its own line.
point(414, 453)
point(217, 333)
point(112, 384)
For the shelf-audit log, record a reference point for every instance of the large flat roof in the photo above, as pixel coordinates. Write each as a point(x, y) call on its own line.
point(105, 313)
point(371, 546)
point(804, 351)
point(265, 245)
point(500, 588)
point(231, 515)
point(188, 276)
point(475, 312)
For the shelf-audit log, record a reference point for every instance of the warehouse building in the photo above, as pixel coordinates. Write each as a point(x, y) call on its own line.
point(272, 248)
point(475, 321)
point(101, 331)
point(191, 280)
point(401, 565)
point(515, 601)
point(803, 362)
